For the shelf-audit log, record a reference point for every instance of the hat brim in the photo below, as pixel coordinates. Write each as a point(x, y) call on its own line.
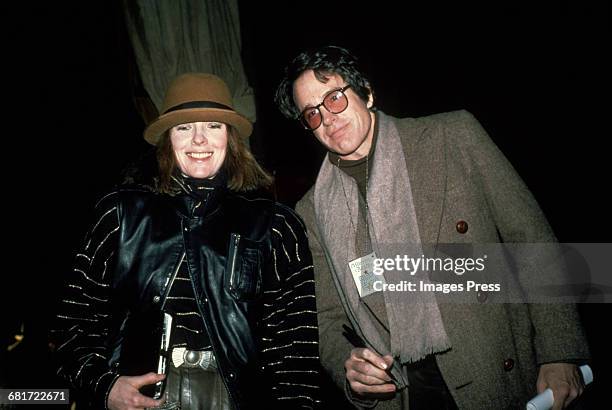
point(155, 130)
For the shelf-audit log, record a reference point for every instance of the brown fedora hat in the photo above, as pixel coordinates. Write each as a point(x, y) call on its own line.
point(194, 97)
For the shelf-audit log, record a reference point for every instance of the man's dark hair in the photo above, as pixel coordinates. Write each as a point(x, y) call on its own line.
point(324, 61)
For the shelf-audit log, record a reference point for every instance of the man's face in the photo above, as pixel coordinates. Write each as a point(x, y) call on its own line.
point(349, 133)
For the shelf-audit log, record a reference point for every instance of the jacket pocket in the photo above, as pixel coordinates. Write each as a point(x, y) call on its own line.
point(243, 270)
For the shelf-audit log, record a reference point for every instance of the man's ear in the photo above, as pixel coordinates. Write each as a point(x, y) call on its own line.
point(370, 102)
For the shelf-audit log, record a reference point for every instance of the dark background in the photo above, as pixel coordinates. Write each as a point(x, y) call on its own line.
point(536, 76)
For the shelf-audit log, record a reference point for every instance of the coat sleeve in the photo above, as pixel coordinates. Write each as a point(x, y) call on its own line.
point(334, 348)
point(289, 325)
point(558, 335)
point(82, 320)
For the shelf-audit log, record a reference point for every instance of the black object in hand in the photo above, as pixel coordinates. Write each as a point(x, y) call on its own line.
point(352, 336)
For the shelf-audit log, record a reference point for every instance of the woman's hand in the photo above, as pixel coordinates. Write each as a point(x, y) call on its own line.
point(124, 394)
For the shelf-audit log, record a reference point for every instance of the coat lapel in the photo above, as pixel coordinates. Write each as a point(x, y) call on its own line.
point(427, 172)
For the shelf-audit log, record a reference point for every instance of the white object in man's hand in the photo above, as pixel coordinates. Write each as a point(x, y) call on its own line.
point(545, 400)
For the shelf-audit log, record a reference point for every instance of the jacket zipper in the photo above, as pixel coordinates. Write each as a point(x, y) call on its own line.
point(171, 281)
point(233, 251)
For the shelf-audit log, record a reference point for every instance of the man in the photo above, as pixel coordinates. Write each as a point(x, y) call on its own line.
point(412, 182)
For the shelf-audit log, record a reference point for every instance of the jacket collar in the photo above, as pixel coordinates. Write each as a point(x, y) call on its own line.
point(198, 198)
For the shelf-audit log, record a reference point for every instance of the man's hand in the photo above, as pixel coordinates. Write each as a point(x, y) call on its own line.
point(367, 374)
point(564, 381)
point(124, 394)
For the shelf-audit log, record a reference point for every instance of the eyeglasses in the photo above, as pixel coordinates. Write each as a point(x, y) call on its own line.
point(334, 101)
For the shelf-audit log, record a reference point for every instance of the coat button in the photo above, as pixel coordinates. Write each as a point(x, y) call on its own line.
point(156, 299)
point(508, 364)
point(462, 227)
point(231, 376)
point(481, 296)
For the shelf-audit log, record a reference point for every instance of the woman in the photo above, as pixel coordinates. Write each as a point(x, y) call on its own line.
point(234, 274)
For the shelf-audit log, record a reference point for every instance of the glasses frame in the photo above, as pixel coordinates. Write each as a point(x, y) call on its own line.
point(322, 103)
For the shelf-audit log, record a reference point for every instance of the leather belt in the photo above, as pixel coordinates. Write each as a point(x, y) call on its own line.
point(203, 359)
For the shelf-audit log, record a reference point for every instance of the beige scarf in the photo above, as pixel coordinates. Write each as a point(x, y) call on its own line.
point(415, 322)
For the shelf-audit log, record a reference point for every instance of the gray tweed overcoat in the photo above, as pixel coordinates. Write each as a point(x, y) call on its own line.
point(458, 175)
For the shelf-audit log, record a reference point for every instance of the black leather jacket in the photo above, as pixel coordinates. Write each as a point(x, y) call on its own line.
point(227, 241)
point(227, 280)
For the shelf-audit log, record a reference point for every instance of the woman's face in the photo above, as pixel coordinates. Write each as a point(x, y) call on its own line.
point(199, 147)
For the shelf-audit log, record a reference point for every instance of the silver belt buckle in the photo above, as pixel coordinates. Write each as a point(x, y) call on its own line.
point(204, 359)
